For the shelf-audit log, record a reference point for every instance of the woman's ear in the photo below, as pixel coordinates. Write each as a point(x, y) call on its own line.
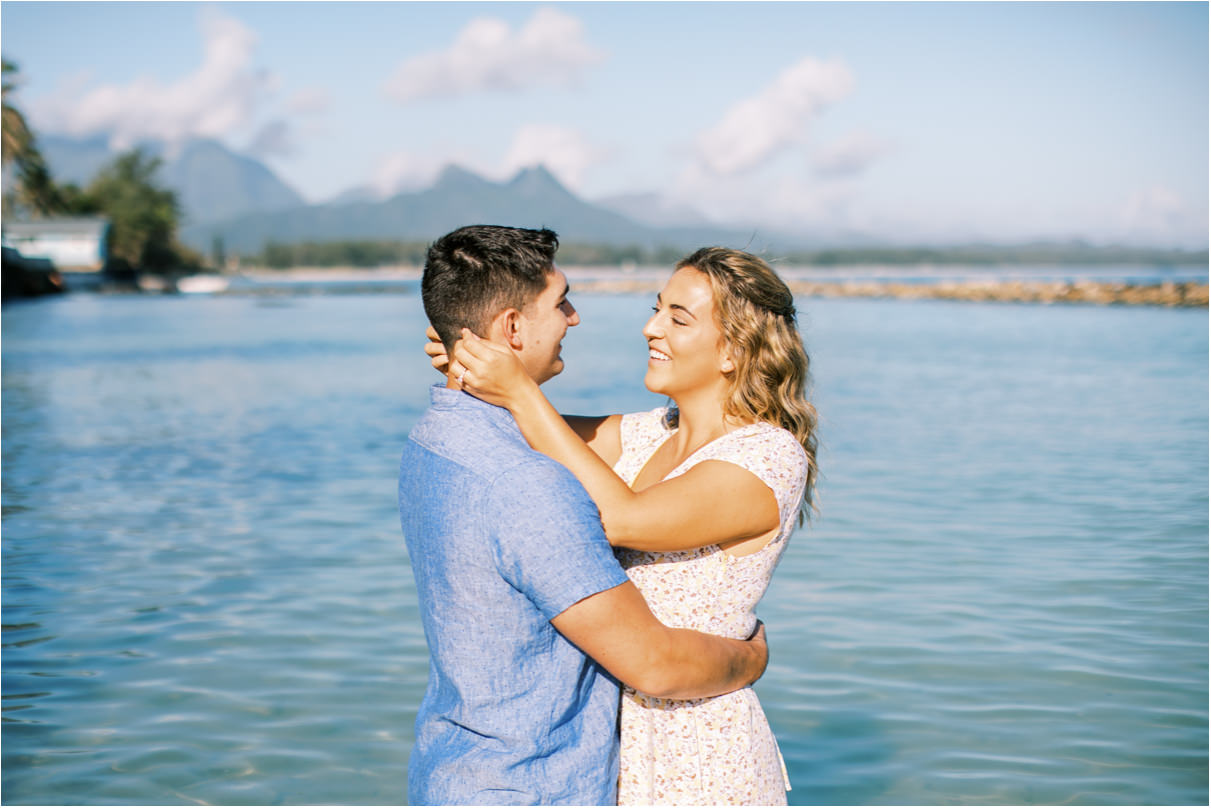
point(726, 365)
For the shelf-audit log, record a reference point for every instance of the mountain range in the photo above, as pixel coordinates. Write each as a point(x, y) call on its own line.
point(238, 199)
point(211, 181)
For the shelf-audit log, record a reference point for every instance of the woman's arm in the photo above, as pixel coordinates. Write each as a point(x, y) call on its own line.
point(715, 502)
point(602, 433)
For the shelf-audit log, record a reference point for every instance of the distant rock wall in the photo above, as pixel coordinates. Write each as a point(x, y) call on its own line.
point(1184, 294)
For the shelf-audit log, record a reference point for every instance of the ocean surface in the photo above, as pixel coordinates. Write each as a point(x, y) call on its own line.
point(206, 597)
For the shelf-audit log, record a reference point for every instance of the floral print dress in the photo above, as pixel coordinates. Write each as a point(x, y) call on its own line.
point(716, 751)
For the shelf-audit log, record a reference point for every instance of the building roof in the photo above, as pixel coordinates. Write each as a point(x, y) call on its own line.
point(79, 226)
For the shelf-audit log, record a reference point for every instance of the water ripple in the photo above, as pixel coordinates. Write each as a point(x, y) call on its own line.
point(207, 601)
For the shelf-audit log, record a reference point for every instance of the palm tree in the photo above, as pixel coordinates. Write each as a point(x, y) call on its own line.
point(17, 137)
point(36, 190)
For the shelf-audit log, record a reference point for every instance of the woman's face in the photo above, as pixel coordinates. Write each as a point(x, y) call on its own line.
point(685, 345)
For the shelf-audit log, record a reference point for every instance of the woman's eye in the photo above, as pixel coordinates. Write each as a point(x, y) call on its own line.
point(678, 322)
point(656, 309)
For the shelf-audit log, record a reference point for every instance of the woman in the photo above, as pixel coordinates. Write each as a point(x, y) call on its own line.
point(700, 498)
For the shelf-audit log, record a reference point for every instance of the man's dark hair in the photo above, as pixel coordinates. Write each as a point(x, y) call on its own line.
point(475, 272)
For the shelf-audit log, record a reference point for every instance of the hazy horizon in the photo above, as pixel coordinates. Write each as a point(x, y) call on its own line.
point(908, 122)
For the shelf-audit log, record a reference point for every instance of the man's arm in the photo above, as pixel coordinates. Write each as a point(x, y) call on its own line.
point(617, 629)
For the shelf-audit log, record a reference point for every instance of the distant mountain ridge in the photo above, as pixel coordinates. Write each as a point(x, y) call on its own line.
point(212, 182)
point(532, 198)
point(239, 200)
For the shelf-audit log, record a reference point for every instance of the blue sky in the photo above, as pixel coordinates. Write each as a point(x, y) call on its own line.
point(909, 121)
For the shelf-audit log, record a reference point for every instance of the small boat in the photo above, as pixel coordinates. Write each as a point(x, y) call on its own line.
point(202, 284)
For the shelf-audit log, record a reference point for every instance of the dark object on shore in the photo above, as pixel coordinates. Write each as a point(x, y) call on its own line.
point(28, 277)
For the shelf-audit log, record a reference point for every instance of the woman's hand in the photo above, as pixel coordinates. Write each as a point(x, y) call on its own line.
point(436, 351)
point(489, 371)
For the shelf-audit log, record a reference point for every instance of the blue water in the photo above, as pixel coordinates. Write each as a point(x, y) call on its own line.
point(206, 598)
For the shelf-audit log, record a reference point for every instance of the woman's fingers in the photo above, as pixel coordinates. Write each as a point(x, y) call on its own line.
point(436, 351)
point(471, 350)
point(477, 347)
point(437, 355)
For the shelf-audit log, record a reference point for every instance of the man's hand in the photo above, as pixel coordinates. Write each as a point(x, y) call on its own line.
point(617, 629)
point(759, 646)
point(436, 351)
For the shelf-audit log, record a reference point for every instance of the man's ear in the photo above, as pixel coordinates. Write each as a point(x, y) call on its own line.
point(507, 323)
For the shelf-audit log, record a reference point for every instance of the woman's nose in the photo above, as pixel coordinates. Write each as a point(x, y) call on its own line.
point(651, 327)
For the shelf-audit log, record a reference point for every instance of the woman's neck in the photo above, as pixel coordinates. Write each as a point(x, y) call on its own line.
point(700, 420)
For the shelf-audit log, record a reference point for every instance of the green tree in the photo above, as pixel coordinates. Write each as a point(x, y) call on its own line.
point(35, 191)
point(143, 216)
point(17, 137)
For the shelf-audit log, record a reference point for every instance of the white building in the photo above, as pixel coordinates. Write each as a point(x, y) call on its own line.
point(76, 244)
point(77, 247)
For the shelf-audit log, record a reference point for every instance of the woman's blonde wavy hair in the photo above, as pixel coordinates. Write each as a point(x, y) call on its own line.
point(756, 313)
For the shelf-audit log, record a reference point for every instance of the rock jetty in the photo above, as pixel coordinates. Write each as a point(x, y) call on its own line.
point(1186, 294)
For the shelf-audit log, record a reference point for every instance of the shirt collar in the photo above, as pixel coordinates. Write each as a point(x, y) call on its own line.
point(443, 398)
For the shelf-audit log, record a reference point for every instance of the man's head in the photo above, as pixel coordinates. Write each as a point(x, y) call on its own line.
point(502, 284)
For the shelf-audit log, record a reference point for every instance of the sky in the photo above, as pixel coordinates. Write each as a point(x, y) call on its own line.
point(911, 122)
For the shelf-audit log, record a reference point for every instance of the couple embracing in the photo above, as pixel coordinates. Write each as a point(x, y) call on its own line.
point(559, 559)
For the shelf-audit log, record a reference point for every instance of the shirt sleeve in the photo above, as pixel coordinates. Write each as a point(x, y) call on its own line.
point(550, 544)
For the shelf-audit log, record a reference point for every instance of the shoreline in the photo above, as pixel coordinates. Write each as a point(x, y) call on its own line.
point(1008, 285)
point(1185, 294)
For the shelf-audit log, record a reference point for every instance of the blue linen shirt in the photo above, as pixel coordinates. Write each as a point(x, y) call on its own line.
point(501, 540)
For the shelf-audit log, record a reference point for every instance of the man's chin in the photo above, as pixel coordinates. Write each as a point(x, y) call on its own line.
point(553, 370)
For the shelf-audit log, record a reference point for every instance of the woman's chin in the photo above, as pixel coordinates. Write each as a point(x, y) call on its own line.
point(652, 381)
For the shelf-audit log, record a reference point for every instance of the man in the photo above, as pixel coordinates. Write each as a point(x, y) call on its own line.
point(530, 621)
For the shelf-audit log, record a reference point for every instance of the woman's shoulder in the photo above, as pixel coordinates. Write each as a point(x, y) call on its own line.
point(762, 444)
point(641, 428)
point(770, 453)
point(654, 421)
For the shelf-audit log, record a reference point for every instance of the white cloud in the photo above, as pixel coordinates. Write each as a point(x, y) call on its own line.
point(848, 156)
point(1158, 215)
point(757, 128)
point(488, 55)
point(564, 151)
point(220, 96)
point(403, 171)
point(309, 101)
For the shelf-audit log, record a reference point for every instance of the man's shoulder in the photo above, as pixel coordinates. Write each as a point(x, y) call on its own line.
point(493, 452)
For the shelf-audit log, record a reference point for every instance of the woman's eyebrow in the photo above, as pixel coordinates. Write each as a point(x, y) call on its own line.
point(682, 308)
point(677, 306)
